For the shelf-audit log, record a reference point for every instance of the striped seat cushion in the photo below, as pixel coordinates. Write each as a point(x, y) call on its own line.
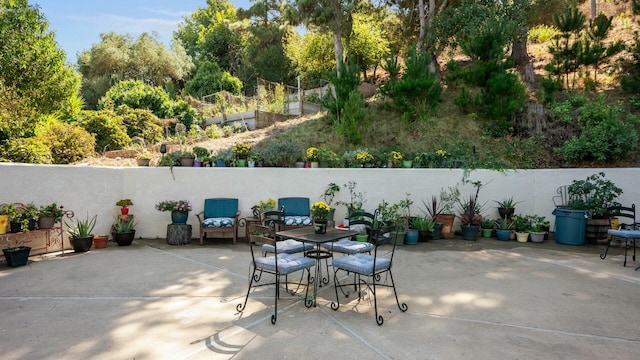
point(361, 263)
point(220, 222)
point(287, 263)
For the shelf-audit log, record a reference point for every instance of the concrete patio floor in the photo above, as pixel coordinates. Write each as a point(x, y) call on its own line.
point(467, 300)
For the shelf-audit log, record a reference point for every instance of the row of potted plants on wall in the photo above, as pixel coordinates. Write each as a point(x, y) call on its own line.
point(245, 155)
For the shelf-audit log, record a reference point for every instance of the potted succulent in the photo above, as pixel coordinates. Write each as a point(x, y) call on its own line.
point(469, 218)
point(425, 226)
point(124, 205)
point(49, 215)
point(487, 226)
point(506, 207)
point(81, 233)
point(143, 158)
point(124, 231)
point(504, 227)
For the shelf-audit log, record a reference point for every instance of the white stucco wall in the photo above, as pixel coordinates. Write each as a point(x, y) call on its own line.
point(95, 190)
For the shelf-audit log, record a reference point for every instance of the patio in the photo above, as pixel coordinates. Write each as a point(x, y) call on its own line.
point(467, 300)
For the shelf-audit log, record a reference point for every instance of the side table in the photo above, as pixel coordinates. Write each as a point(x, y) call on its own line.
point(178, 234)
point(248, 221)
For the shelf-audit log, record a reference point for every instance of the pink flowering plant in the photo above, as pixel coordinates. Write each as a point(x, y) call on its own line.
point(174, 205)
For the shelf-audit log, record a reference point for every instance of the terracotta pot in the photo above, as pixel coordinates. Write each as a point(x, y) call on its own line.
point(100, 241)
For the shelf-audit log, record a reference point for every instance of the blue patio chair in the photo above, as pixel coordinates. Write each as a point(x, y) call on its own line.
point(220, 215)
point(363, 222)
point(297, 211)
point(275, 220)
point(278, 265)
point(368, 270)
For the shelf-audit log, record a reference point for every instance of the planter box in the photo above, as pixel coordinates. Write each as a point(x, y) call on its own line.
point(17, 257)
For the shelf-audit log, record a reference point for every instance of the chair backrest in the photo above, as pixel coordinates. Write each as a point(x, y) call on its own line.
point(274, 219)
point(623, 212)
point(220, 207)
point(295, 206)
point(562, 198)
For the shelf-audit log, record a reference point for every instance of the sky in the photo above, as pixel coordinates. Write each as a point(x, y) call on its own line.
point(79, 23)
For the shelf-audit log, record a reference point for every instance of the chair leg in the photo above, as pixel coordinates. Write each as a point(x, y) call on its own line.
point(240, 307)
point(633, 241)
point(403, 307)
point(201, 236)
point(603, 254)
point(626, 248)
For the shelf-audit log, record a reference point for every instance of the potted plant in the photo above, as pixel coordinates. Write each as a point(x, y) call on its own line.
point(224, 157)
point(30, 215)
point(81, 233)
point(319, 212)
point(469, 218)
point(201, 155)
point(143, 158)
point(595, 195)
point(448, 199)
point(4, 218)
point(522, 226)
point(124, 231)
point(17, 255)
point(536, 231)
point(504, 227)
point(356, 200)
point(506, 207)
point(186, 158)
point(262, 206)
point(313, 156)
point(13, 212)
point(179, 210)
point(241, 152)
point(425, 226)
point(328, 196)
point(49, 215)
point(487, 226)
point(124, 205)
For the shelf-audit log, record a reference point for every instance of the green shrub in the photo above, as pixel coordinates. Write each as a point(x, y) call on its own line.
point(282, 153)
point(68, 142)
point(542, 33)
point(610, 139)
point(108, 129)
point(503, 96)
point(138, 95)
point(141, 123)
point(214, 132)
point(352, 122)
point(28, 150)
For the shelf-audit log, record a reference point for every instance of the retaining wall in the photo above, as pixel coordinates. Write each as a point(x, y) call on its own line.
point(95, 190)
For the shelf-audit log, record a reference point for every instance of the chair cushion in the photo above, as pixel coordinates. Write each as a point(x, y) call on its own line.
point(287, 263)
point(361, 263)
point(220, 207)
point(346, 246)
point(288, 246)
point(630, 234)
point(297, 220)
point(219, 222)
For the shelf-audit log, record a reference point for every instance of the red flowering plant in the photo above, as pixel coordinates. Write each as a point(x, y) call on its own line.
point(52, 210)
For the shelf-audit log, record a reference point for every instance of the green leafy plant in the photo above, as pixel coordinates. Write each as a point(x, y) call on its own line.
point(82, 228)
point(595, 194)
point(504, 224)
point(52, 210)
point(356, 198)
point(124, 203)
point(487, 223)
point(521, 223)
point(423, 223)
point(330, 192)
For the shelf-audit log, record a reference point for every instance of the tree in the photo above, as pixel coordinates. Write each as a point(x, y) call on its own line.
point(209, 78)
point(329, 15)
point(118, 57)
point(368, 44)
point(30, 61)
point(208, 34)
point(312, 54)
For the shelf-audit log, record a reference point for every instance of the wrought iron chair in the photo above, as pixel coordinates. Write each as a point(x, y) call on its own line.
point(275, 220)
point(297, 211)
point(220, 215)
point(362, 221)
point(628, 213)
point(278, 265)
point(368, 270)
